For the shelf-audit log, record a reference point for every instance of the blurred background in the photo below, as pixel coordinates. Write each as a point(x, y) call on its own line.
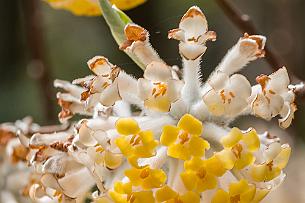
point(65, 42)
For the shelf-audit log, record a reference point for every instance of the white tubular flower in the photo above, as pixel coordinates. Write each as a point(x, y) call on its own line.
point(138, 43)
point(273, 97)
point(248, 48)
point(192, 34)
point(70, 101)
point(158, 89)
point(103, 87)
point(228, 95)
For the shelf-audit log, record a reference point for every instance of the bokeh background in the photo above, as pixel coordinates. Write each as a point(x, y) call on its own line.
point(68, 41)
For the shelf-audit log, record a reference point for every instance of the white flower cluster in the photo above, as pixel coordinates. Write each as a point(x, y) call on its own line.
point(67, 164)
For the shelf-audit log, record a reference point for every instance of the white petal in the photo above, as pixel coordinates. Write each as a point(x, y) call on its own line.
point(240, 86)
point(85, 135)
point(77, 183)
point(193, 23)
point(219, 80)
point(100, 65)
point(174, 89)
point(287, 115)
point(144, 88)
point(157, 72)
point(191, 51)
point(261, 108)
point(110, 95)
point(279, 81)
point(214, 103)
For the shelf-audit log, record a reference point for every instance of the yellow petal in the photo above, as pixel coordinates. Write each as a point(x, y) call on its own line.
point(197, 146)
point(251, 139)
point(227, 158)
point(91, 7)
point(262, 173)
point(282, 158)
point(221, 196)
point(232, 138)
point(133, 175)
point(238, 188)
point(165, 193)
point(124, 146)
point(189, 179)
point(260, 195)
point(190, 124)
point(123, 188)
point(190, 197)
point(127, 126)
point(194, 164)
point(249, 194)
point(179, 151)
point(209, 182)
point(117, 197)
point(112, 160)
point(127, 4)
point(156, 179)
point(144, 196)
point(215, 166)
point(245, 160)
point(160, 103)
point(146, 136)
point(169, 135)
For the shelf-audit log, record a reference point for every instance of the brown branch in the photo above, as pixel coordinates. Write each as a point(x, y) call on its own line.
point(245, 24)
point(38, 62)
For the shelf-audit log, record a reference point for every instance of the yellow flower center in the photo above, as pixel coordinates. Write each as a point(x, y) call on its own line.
point(145, 173)
point(237, 149)
point(201, 173)
point(131, 198)
point(177, 200)
point(270, 165)
point(99, 148)
point(159, 89)
point(183, 136)
point(135, 140)
point(226, 98)
point(235, 199)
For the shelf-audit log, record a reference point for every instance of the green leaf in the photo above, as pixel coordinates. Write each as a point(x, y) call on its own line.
point(117, 20)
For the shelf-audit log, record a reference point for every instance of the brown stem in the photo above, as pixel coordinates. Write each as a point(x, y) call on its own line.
point(245, 24)
point(39, 65)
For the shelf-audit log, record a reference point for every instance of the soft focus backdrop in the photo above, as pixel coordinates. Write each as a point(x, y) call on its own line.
point(69, 41)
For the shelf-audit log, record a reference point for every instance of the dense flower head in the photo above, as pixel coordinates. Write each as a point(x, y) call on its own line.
point(166, 137)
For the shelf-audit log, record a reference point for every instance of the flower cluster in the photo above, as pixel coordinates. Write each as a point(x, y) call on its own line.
point(164, 137)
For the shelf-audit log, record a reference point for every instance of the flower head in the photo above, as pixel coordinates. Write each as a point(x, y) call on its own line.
point(184, 140)
point(158, 88)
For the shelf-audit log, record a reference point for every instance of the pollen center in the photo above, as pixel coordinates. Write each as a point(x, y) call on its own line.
point(144, 173)
point(237, 149)
point(159, 89)
point(235, 199)
point(184, 137)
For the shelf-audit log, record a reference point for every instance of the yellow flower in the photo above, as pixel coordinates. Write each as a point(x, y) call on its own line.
point(240, 192)
point(167, 195)
point(184, 140)
point(134, 143)
point(146, 177)
point(242, 146)
point(272, 167)
point(123, 194)
point(201, 175)
point(91, 7)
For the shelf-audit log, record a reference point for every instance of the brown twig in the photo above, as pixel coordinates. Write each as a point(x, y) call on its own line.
point(245, 24)
point(40, 68)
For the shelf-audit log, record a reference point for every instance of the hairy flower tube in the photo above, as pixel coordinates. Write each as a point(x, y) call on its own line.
point(166, 137)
